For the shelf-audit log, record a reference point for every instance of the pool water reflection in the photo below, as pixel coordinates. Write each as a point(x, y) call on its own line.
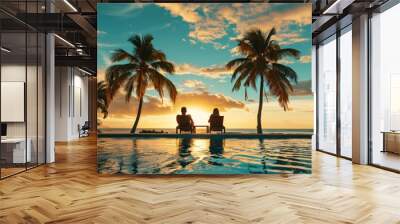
point(214, 155)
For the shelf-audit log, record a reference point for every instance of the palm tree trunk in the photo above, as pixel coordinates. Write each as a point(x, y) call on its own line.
point(133, 130)
point(260, 106)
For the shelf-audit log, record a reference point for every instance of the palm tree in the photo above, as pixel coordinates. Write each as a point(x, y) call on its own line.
point(142, 70)
point(260, 61)
point(102, 98)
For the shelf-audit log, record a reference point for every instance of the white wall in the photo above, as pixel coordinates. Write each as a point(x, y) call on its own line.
point(33, 127)
point(71, 102)
point(12, 73)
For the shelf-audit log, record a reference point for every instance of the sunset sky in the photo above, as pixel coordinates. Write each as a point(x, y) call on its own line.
point(200, 39)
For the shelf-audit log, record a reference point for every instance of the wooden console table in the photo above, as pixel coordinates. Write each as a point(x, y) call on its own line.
point(391, 141)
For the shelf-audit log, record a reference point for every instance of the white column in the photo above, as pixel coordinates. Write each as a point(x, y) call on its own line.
point(313, 88)
point(50, 92)
point(360, 90)
point(50, 101)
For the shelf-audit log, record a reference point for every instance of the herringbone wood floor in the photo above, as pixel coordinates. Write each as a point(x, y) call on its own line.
point(70, 191)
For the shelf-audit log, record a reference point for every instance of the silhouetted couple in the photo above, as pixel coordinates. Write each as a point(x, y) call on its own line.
point(185, 121)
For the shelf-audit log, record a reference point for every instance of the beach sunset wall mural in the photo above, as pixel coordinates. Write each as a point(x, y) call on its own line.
point(204, 88)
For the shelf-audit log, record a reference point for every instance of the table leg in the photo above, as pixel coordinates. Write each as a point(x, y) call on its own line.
point(384, 143)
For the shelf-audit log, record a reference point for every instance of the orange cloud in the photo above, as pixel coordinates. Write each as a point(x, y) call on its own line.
point(194, 84)
point(211, 72)
point(186, 11)
point(208, 101)
point(289, 38)
point(208, 30)
point(119, 108)
point(300, 15)
point(210, 21)
point(305, 59)
point(152, 106)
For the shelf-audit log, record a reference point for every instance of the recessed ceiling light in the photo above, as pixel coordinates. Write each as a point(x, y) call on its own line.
point(70, 5)
point(84, 71)
point(337, 7)
point(64, 40)
point(5, 50)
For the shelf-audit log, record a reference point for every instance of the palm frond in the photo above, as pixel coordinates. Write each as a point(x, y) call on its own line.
point(103, 98)
point(279, 86)
point(141, 85)
point(160, 82)
point(256, 39)
point(251, 79)
point(247, 65)
point(147, 39)
point(158, 55)
point(238, 83)
point(116, 77)
point(165, 66)
point(235, 63)
point(136, 41)
point(269, 36)
point(120, 55)
point(245, 48)
point(285, 71)
point(129, 87)
point(121, 68)
point(289, 52)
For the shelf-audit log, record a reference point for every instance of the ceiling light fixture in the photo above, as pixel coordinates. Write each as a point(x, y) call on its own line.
point(5, 50)
point(70, 5)
point(333, 6)
point(64, 40)
point(337, 7)
point(84, 71)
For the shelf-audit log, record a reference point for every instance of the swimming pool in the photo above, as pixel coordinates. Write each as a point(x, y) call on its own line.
point(214, 155)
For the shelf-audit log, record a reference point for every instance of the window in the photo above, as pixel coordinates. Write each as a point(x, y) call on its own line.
point(22, 88)
point(385, 89)
point(327, 95)
point(346, 92)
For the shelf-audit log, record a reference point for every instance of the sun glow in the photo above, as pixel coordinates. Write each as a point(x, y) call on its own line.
point(199, 116)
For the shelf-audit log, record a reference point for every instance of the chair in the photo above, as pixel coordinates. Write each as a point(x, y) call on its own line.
point(84, 130)
point(184, 124)
point(217, 124)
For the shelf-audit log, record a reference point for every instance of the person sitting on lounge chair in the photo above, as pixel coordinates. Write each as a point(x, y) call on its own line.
point(185, 121)
point(216, 121)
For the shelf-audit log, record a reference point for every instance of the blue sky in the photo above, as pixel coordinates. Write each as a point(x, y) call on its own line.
point(200, 39)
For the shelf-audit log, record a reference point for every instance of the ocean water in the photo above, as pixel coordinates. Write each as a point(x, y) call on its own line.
point(203, 156)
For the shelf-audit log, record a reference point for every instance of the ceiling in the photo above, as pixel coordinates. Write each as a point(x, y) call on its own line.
point(75, 23)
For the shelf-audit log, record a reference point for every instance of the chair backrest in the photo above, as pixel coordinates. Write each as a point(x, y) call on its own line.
point(184, 122)
point(86, 124)
point(217, 123)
